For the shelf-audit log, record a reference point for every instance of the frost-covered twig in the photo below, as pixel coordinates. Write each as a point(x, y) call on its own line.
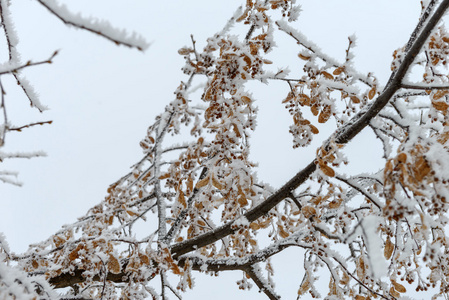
point(99, 27)
point(254, 272)
point(14, 56)
point(426, 87)
point(13, 69)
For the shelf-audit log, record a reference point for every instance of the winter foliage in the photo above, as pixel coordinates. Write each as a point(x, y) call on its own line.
point(193, 202)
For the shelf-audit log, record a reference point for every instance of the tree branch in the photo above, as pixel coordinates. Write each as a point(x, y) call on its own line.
point(424, 87)
point(101, 28)
point(253, 271)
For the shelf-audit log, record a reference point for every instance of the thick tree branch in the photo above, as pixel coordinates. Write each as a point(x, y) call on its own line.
point(67, 279)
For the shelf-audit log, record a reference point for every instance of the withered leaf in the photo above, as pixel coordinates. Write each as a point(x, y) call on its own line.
point(361, 268)
point(246, 100)
point(164, 176)
point(182, 199)
point(184, 51)
point(282, 232)
point(113, 264)
point(216, 183)
point(303, 57)
point(338, 70)
point(355, 100)
point(242, 201)
point(389, 247)
point(314, 129)
point(328, 171)
point(398, 287)
point(372, 93)
point(314, 110)
point(394, 293)
point(202, 182)
point(440, 105)
point(439, 94)
point(308, 211)
point(327, 75)
point(305, 286)
point(325, 114)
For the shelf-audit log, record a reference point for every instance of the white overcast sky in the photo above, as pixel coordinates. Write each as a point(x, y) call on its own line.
point(103, 97)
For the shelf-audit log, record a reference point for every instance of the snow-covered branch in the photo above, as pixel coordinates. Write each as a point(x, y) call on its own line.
point(100, 27)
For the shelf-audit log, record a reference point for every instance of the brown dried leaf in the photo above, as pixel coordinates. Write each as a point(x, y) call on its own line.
point(354, 99)
point(418, 252)
point(175, 269)
point(184, 51)
point(360, 268)
point(282, 232)
point(335, 203)
point(182, 199)
point(254, 226)
point(34, 264)
point(328, 171)
point(314, 129)
point(189, 184)
point(345, 279)
point(202, 182)
point(325, 114)
point(265, 224)
point(113, 264)
point(421, 169)
point(440, 105)
point(305, 286)
point(327, 75)
point(372, 93)
point(308, 211)
point(303, 57)
point(132, 213)
point(439, 94)
point(338, 70)
point(243, 16)
point(236, 130)
point(314, 110)
point(74, 254)
point(189, 281)
point(216, 183)
point(402, 157)
point(144, 259)
point(389, 247)
point(398, 287)
point(242, 201)
point(394, 293)
point(246, 100)
point(58, 240)
point(332, 287)
point(164, 176)
point(304, 99)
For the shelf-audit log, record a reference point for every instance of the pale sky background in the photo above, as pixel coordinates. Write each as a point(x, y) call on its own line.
point(103, 97)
